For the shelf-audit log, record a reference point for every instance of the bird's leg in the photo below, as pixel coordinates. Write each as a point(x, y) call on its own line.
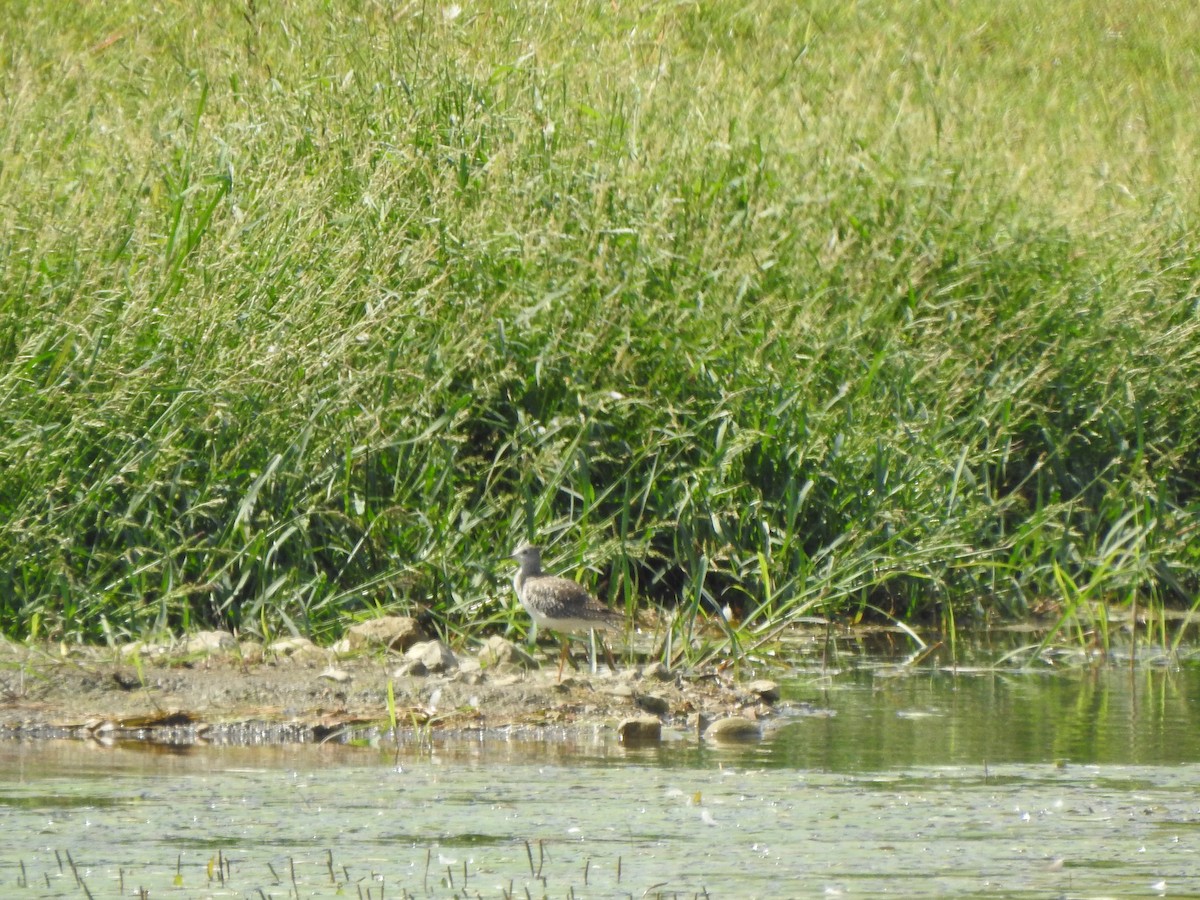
point(595, 637)
point(562, 659)
point(612, 663)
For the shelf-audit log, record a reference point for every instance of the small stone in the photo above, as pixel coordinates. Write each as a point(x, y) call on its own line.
point(765, 689)
point(733, 728)
point(142, 649)
point(433, 656)
point(294, 646)
point(657, 671)
point(640, 730)
point(341, 676)
point(250, 651)
point(209, 642)
point(469, 666)
point(498, 652)
point(652, 703)
point(393, 632)
point(127, 679)
point(165, 649)
point(410, 667)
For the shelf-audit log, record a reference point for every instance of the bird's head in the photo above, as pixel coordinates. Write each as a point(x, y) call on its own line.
point(529, 556)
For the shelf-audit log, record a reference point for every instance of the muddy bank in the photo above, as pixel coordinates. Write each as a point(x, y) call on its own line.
point(217, 690)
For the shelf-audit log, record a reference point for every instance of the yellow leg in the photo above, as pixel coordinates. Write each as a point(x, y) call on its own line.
point(612, 663)
point(562, 659)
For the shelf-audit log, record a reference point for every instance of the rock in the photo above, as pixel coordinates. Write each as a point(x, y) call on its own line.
point(469, 672)
point(393, 632)
point(657, 671)
point(427, 658)
point(765, 689)
point(733, 728)
point(209, 642)
point(144, 650)
point(288, 646)
point(297, 648)
point(410, 667)
point(340, 676)
point(250, 651)
point(504, 681)
point(498, 652)
point(652, 703)
point(640, 730)
point(127, 679)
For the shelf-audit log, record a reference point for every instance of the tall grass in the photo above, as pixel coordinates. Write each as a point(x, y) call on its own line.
point(313, 311)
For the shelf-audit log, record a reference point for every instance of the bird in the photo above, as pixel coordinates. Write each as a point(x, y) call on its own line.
point(560, 604)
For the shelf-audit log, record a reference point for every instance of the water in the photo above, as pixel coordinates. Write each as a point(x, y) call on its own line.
point(884, 720)
point(1078, 784)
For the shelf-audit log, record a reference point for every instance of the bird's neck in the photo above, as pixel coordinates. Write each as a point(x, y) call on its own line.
point(528, 570)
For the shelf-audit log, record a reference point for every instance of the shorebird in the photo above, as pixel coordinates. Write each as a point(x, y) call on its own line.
point(560, 604)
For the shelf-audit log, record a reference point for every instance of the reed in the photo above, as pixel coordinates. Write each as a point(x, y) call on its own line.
point(311, 313)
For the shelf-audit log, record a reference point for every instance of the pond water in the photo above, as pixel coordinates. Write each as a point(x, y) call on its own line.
point(876, 781)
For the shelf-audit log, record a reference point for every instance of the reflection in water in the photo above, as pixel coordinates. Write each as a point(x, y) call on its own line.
point(1108, 715)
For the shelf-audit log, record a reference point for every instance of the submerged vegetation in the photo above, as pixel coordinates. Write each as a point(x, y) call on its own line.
point(313, 311)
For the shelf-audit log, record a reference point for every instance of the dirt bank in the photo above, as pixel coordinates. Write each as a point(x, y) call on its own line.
point(222, 691)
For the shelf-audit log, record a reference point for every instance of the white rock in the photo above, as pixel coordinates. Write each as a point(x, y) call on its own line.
point(292, 646)
point(209, 642)
point(764, 689)
point(497, 652)
point(427, 657)
point(393, 632)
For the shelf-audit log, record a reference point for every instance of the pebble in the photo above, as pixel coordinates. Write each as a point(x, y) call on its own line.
point(251, 652)
point(657, 671)
point(652, 703)
point(640, 730)
point(209, 642)
point(427, 657)
point(392, 632)
point(765, 689)
point(144, 650)
point(300, 647)
point(497, 652)
point(733, 728)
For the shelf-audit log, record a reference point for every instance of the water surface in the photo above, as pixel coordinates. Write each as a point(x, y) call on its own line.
point(875, 781)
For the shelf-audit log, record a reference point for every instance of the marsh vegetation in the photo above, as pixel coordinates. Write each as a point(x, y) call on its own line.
point(312, 312)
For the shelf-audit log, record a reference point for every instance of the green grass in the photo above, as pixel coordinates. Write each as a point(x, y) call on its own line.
point(312, 311)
